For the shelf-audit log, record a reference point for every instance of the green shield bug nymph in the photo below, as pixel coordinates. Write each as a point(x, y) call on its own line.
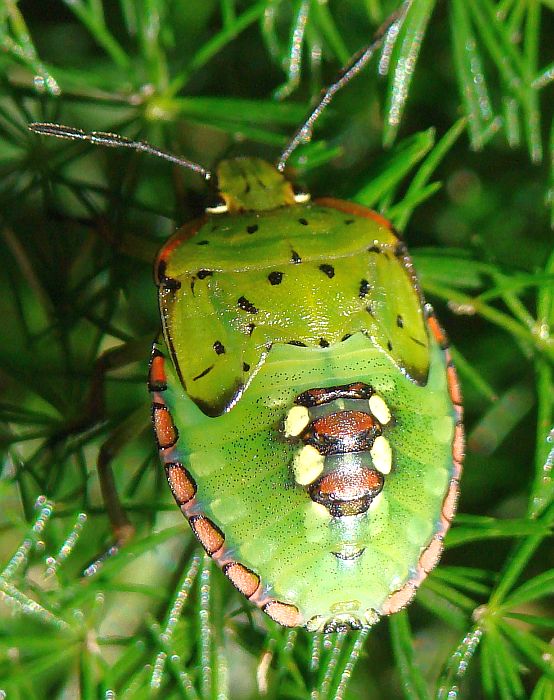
point(304, 401)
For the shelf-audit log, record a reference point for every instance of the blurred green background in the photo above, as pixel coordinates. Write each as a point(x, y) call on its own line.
point(449, 133)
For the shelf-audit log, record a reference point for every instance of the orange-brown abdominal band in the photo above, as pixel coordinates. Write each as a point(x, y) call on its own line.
point(432, 553)
point(183, 488)
point(344, 455)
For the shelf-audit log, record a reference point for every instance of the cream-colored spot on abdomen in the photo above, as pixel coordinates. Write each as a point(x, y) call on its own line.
point(297, 419)
point(307, 465)
point(379, 409)
point(381, 454)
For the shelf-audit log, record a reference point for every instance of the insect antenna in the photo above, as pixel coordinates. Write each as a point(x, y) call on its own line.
point(104, 138)
point(358, 61)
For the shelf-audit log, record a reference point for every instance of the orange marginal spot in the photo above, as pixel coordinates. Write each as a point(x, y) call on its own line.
point(350, 486)
point(181, 483)
point(459, 443)
point(399, 600)
point(246, 581)
point(283, 613)
point(344, 424)
point(355, 210)
point(157, 380)
point(437, 331)
point(453, 385)
point(183, 234)
point(166, 432)
point(208, 534)
point(451, 501)
point(430, 556)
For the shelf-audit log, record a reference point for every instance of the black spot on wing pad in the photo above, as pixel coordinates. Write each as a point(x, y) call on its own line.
point(219, 348)
point(328, 270)
point(164, 281)
point(202, 274)
point(418, 342)
point(364, 288)
point(275, 277)
point(252, 228)
point(295, 258)
point(246, 305)
point(203, 374)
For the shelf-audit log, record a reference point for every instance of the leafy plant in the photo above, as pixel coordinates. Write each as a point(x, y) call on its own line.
point(79, 230)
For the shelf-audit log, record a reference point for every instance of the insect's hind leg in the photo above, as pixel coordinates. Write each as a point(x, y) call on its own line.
point(123, 530)
point(133, 425)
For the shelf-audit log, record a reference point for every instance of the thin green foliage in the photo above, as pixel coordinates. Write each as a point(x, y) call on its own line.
point(79, 230)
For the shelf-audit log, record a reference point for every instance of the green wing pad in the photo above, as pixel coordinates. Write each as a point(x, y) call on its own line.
point(221, 321)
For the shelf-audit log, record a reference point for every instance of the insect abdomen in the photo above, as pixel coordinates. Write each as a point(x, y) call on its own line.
point(327, 560)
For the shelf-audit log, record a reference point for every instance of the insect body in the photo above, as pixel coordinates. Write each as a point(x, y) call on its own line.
point(304, 402)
